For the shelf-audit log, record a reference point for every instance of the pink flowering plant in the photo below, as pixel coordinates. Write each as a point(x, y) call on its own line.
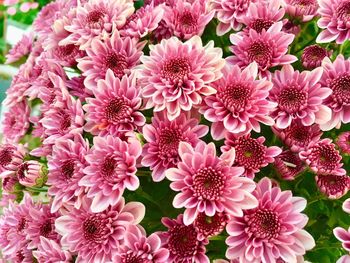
point(189, 131)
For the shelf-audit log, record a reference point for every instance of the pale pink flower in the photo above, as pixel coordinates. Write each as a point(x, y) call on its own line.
point(16, 122)
point(262, 15)
point(187, 19)
point(45, 18)
point(344, 259)
point(271, 231)
point(9, 183)
point(297, 136)
point(300, 96)
point(41, 224)
point(332, 185)
point(137, 247)
point(182, 243)
point(209, 226)
point(11, 155)
point(97, 18)
point(323, 158)
point(143, 21)
point(240, 103)
point(335, 20)
point(251, 153)
point(343, 142)
point(228, 12)
point(343, 236)
point(117, 54)
point(22, 48)
point(313, 55)
point(176, 75)
point(336, 76)
point(115, 107)
point(163, 138)
point(22, 255)
point(304, 9)
point(268, 48)
point(65, 165)
point(49, 251)
point(28, 173)
point(288, 165)
point(96, 237)
point(208, 183)
point(346, 206)
point(111, 169)
point(65, 116)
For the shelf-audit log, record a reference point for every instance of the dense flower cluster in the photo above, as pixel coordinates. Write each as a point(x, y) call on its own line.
point(139, 134)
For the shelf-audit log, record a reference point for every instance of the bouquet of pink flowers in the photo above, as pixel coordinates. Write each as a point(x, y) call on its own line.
point(184, 131)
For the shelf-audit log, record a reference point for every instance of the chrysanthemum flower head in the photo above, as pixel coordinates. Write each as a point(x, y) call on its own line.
point(11, 155)
point(22, 48)
point(303, 9)
point(114, 109)
point(343, 142)
point(313, 55)
point(111, 169)
point(334, 20)
point(182, 243)
point(268, 48)
point(262, 15)
point(336, 76)
point(288, 165)
point(115, 53)
point(273, 230)
point(209, 226)
point(332, 185)
point(239, 104)
point(297, 136)
point(323, 158)
point(208, 183)
point(97, 18)
point(51, 251)
point(96, 237)
point(251, 153)
point(137, 247)
point(65, 165)
point(176, 75)
point(188, 18)
point(163, 138)
point(300, 97)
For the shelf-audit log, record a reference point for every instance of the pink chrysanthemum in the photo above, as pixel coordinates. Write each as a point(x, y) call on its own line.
point(251, 153)
point(96, 237)
point(187, 19)
point(28, 173)
point(182, 243)
point(115, 107)
point(297, 136)
point(299, 97)
point(163, 138)
point(346, 206)
point(143, 21)
point(228, 12)
point(76, 87)
point(16, 122)
point(22, 48)
point(22, 255)
point(65, 117)
point(209, 226)
point(97, 18)
point(304, 9)
point(239, 103)
point(271, 231)
point(344, 236)
point(65, 165)
point(336, 76)
point(332, 185)
point(176, 75)
point(9, 183)
point(112, 168)
point(313, 55)
point(268, 48)
point(335, 20)
point(117, 54)
point(11, 156)
point(343, 142)
point(139, 248)
point(288, 165)
point(262, 15)
point(209, 184)
point(45, 18)
point(323, 158)
point(49, 251)
point(41, 224)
